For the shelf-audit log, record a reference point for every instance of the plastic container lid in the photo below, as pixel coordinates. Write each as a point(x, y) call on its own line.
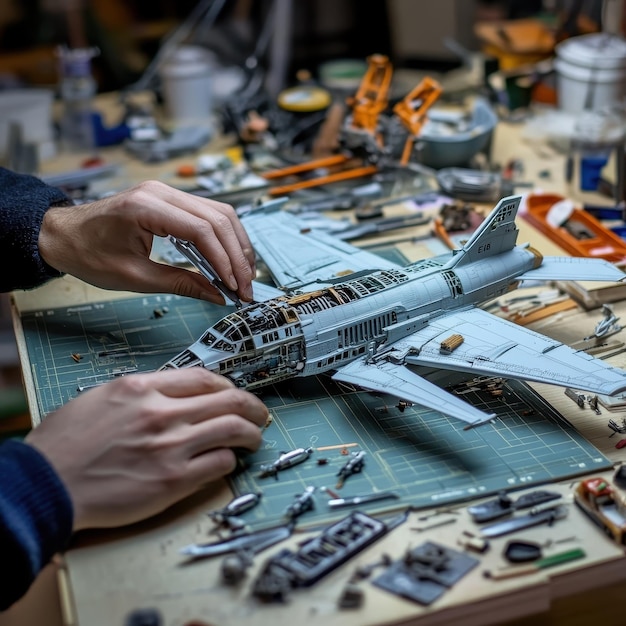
point(596, 50)
point(590, 74)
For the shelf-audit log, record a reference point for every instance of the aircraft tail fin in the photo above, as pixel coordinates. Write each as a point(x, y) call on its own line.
point(496, 234)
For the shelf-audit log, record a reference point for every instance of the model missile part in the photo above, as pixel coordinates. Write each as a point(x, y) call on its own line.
point(236, 507)
point(353, 466)
point(285, 461)
point(319, 556)
point(303, 503)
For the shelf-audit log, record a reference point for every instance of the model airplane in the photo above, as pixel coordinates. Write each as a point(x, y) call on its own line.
point(344, 310)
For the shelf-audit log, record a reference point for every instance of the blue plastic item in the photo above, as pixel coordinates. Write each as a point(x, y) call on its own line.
point(590, 169)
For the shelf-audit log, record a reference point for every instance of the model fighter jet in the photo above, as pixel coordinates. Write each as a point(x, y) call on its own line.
point(362, 318)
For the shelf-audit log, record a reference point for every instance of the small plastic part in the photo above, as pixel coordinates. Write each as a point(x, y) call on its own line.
point(619, 479)
point(319, 556)
point(144, 617)
point(186, 170)
point(352, 597)
point(518, 551)
point(426, 572)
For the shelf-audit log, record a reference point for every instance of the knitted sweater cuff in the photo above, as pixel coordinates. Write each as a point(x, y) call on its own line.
point(24, 201)
point(36, 517)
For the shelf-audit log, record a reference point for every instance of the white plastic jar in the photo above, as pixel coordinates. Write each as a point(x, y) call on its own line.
point(591, 72)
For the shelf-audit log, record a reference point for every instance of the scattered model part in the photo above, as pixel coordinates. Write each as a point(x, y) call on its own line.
point(505, 505)
point(365, 571)
point(253, 542)
point(235, 507)
point(607, 325)
point(451, 343)
point(353, 466)
point(426, 572)
point(619, 478)
point(144, 617)
point(235, 566)
point(338, 503)
point(302, 503)
point(285, 461)
point(444, 522)
point(337, 314)
point(534, 518)
point(519, 551)
point(594, 404)
point(576, 396)
point(352, 597)
point(319, 556)
point(616, 428)
point(604, 506)
point(473, 543)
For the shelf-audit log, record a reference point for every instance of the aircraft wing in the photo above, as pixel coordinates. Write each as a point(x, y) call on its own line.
point(494, 346)
point(397, 380)
point(296, 255)
point(574, 268)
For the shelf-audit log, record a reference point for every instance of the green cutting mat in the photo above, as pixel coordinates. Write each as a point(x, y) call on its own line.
point(424, 457)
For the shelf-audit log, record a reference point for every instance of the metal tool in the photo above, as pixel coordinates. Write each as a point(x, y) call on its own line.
point(253, 542)
point(189, 251)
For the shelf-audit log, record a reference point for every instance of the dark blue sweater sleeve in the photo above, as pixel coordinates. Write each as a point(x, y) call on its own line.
point(36, 517)
point(23, 202)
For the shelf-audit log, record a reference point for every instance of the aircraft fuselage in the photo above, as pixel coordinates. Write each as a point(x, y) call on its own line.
point(318, 331)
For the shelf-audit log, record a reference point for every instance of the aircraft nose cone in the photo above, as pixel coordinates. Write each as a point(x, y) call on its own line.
point(183, 360)
point(198, 355)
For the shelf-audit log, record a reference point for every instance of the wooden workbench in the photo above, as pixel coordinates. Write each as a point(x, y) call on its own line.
point(107, 574)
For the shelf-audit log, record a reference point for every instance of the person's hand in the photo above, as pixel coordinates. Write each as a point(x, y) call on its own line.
point(107, 243)
point(130, 448)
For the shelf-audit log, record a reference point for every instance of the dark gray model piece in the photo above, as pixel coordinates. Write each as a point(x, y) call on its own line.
point(354, 465)
point(425, 572)
point(319, 556)
point(505, 505)
point(302, 503)
point(535, 517)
